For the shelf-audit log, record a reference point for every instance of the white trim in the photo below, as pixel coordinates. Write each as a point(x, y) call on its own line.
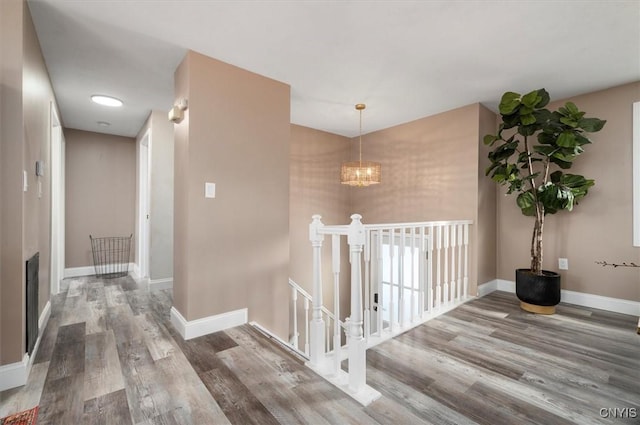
point(14, 374)
point(279, 340)
point(487, 287)
point(636, 174)
point(161, 283)
point(44, 318)
point(583, 299)
point(135, 271)
point(604, 303)
point(207, 325)
point(91, 271)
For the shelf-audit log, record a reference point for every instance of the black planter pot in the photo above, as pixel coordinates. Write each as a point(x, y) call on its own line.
point(538, 294)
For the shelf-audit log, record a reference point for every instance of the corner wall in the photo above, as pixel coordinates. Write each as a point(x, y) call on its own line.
point(431, 172)
point(231, 252)
point(316, 157)
point(161, 221)
point(600, 228)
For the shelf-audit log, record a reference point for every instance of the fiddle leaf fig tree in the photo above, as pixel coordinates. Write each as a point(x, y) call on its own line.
point(531, 151)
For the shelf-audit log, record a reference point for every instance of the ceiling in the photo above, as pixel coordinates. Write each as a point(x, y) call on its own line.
point(404, 59)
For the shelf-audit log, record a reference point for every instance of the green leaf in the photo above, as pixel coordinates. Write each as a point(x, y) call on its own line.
point(567, 139)
point(503, 151)
point(531, 99)
point(569, 121)
point(556, 176)
point(560, 163)
point(572, 108)
point(581, 140)
point(489, 139)
point(545, 150)
point(564, 156)
point(509, 103)
point(527, 203)
point(591, 125)
point(544, 98)
point(546, 138)
point(527, 119)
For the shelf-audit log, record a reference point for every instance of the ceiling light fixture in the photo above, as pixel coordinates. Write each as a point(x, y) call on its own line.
point(104, 123)
point(360, 173)
point(106, 100)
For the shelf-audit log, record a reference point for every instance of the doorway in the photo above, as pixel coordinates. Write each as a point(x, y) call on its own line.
point(144, 204)
point(57, 201)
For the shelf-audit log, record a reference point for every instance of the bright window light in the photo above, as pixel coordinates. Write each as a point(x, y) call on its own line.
point(106, 100)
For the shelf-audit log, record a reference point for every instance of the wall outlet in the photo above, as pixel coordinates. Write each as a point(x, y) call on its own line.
point(563, 263)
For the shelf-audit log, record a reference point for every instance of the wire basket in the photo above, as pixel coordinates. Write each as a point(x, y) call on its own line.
point(111, 256)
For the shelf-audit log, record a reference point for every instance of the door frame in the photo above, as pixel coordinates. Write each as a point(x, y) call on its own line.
point(144, 205)
point(57, 181)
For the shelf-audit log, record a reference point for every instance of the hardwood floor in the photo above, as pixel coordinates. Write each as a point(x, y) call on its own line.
point(110, 356)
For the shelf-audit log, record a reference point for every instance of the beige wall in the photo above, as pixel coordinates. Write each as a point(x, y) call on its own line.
point(234, 249)
point(25, 102)
point(100, 191)
point(161, 209)
point(430, 171)
point(487, 226)
point(315, 188)
point(600, 228)
point(11, 156)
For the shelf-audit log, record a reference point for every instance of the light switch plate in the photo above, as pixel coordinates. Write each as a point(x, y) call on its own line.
point(209, 190)
point(25, 181)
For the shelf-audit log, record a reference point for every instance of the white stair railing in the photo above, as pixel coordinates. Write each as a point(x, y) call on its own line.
point(300, 340)
point(402, 274)
point(417, 271)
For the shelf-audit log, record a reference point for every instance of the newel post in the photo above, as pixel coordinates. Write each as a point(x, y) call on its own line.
point(357, 344)
point(316, 349)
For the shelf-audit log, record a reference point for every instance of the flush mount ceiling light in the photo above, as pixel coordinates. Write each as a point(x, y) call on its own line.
point(106, 100)
point(360, 173)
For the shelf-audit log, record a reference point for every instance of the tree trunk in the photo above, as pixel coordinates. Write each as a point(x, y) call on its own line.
point(536, 242)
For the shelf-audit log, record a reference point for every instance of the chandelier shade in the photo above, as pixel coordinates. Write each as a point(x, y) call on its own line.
point(360, 173)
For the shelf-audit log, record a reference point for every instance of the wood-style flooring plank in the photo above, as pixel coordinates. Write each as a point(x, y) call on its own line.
point(107, 409)
point(237, 401)
point(103, 373)
point(62, 401)
point(68, 353)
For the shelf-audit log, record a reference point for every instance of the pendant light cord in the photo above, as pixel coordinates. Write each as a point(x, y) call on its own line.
point(360, 149)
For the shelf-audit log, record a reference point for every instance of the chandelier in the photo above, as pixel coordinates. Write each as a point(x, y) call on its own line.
point(360, 173)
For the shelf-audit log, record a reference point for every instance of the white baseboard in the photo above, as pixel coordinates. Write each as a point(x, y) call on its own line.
point(487, 287)
point(161, 283)
point(583, 299)
point(135, 271)
point(90, 271)
point(207, 325)
point(44, 318)
point(15, 374)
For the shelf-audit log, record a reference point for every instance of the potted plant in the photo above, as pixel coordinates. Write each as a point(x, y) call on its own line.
point(530, 143)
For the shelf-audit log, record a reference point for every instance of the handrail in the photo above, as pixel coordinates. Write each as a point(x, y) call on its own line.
point(416, 224)
point(305, 294)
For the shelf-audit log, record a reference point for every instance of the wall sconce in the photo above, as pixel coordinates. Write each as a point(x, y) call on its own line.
point(176, 114)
